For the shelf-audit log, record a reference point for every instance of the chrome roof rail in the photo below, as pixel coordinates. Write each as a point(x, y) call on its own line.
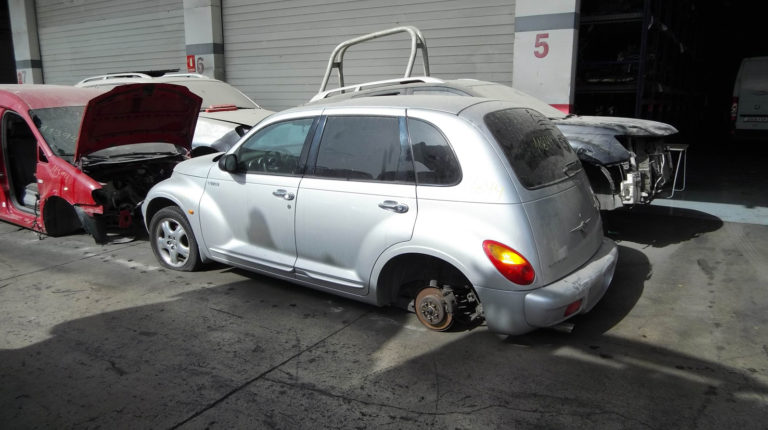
point(374, 84)
point(337, 56)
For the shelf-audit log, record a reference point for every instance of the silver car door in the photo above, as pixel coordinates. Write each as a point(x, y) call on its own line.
point(358, 200)
point(247, 217)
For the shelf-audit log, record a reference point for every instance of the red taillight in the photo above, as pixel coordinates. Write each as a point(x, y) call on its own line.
point(734, 109)
point(573, 307)
point(220, 108)
point(509, 262)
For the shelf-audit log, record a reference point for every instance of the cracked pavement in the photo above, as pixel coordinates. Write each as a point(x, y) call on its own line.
point(102, 337)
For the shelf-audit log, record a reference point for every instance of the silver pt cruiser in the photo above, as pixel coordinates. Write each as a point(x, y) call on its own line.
point(457, 208)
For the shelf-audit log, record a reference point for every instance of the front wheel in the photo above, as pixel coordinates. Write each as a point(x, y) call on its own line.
point(172, 240)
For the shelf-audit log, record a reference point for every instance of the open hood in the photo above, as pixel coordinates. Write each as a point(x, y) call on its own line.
point(138, 113)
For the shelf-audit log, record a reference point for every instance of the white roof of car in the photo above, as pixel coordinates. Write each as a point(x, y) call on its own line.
point(132, 77)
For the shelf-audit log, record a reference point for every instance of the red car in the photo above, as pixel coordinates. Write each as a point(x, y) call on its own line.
point(77, 158)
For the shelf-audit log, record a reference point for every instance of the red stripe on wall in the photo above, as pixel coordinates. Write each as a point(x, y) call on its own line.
point(563, 108)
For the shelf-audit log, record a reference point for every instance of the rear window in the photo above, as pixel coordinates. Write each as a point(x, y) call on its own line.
point(539, 154)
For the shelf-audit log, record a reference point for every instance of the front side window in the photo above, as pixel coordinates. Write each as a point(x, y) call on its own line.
point(434, 160)
point(276, 149)
point(366, 148)
point(537, 151)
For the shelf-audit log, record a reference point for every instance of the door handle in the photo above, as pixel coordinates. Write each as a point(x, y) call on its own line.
point(394, 206)
point(284, 194)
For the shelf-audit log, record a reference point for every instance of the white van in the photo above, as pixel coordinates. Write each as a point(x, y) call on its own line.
point(749, 111)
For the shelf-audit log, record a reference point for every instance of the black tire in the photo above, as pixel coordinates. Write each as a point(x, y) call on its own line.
point(173, 241)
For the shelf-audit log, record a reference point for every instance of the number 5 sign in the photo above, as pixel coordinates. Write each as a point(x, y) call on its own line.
point(541, 47)
point(544, 61)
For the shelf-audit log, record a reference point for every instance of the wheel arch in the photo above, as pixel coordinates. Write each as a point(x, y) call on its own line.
point(154, 205)
point(60, 217)
point(401, 272)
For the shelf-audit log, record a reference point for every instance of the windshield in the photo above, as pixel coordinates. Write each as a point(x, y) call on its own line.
point(538, 153)
point(503, 92)
point(59, 127)
point(218, 93)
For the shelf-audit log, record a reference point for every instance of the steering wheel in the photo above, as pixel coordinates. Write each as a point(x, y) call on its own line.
point(272, 161)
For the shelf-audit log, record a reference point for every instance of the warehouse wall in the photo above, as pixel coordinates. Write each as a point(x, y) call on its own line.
point(277, 51)
point(85, 38)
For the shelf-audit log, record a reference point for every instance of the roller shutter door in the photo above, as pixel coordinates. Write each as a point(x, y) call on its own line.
point(86, 38)
point(277, 51)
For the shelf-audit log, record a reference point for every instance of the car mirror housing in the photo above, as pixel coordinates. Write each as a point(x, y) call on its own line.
point(228, 163)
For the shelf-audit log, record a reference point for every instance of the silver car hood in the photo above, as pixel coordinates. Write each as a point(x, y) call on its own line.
point(198, 166)
point(247, 117)
point(616, 126)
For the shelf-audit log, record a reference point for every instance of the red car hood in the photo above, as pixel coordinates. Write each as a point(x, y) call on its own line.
point(138, 113)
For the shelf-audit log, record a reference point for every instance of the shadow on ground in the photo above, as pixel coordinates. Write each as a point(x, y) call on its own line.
point(657, 226)
point(263, 354)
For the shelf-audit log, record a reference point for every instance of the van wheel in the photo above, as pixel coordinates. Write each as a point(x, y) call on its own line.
point(172, 240)
point(433, 310)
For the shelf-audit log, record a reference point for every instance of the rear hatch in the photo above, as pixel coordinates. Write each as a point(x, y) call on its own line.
point(553, 188)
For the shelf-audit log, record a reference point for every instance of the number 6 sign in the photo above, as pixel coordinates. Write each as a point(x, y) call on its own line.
point(541, 47)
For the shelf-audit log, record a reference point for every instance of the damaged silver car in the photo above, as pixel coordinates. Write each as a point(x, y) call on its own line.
point(628, 160)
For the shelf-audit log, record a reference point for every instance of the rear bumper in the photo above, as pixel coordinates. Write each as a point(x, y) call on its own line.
point(518, 312)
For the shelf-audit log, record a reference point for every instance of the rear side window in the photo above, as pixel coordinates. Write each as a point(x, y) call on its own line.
point(539, 154)
point(364, 148)
point(433, 159)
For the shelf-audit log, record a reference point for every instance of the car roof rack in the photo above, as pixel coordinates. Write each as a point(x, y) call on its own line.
point(128, 75)
point(375, 84)
point(185, 75)
point(337, 56)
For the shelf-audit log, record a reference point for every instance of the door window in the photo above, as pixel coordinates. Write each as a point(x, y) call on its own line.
point(276, 149)
point(363, 148)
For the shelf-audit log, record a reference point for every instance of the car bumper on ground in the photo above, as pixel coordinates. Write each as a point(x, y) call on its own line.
point(518, 312)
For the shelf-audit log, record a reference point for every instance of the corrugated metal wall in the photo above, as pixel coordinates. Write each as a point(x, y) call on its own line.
point(277, 51)
point(89, 37)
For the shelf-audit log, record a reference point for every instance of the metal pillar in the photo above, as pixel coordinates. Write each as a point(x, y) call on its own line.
point(204, 38)
point(26, 47)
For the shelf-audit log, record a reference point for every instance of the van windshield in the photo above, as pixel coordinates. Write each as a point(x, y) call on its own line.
point(60, 127)
point(539, 154)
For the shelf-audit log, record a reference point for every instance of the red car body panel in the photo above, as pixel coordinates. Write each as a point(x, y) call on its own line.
point(64, 199)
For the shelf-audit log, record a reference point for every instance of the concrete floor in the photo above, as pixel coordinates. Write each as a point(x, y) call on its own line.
point(101, 337)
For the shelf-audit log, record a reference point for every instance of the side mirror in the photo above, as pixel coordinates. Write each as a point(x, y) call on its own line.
point(228, 163)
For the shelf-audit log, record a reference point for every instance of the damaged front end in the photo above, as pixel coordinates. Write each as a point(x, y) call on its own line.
point(628, 161)
point(125, 181)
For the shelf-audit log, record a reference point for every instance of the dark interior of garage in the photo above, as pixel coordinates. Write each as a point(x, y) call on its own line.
point(671, 61)
point(7, 65)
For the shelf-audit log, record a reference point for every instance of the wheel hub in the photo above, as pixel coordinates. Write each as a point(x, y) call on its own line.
point(431, 309)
